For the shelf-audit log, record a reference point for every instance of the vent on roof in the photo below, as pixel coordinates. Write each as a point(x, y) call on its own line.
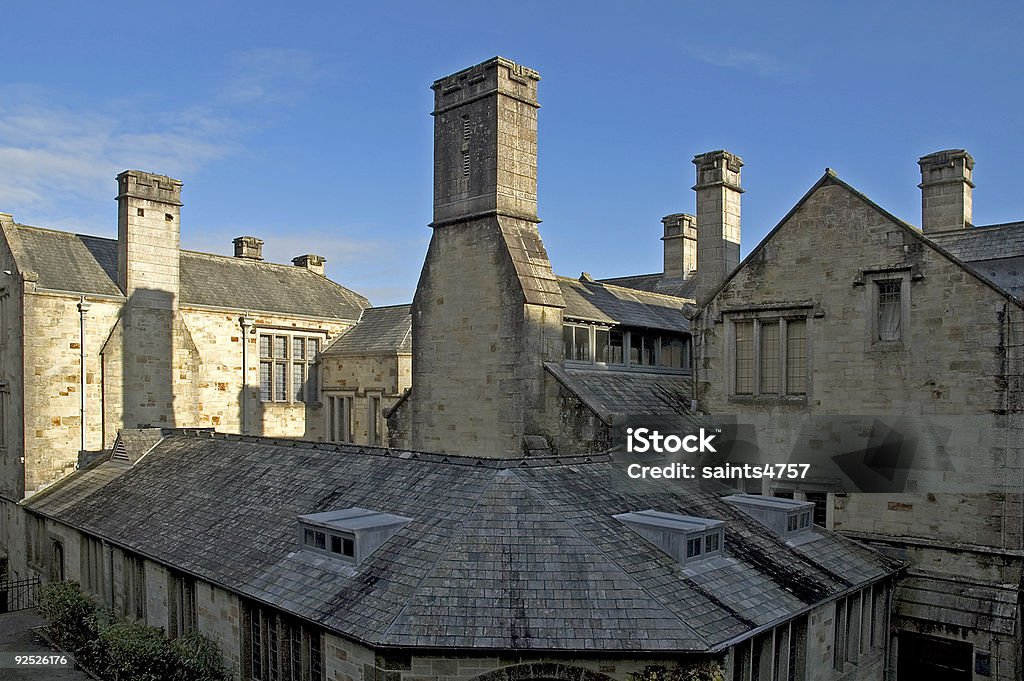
point(787, 518)
point(351, 534)
point(684, 537)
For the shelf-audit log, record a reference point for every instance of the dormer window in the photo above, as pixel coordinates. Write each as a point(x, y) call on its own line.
point(350, 534)
point(686, 538)
point(788, 518)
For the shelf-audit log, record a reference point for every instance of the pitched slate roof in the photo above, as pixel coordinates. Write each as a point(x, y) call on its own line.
point(996, 252)
point(594, 301)
point(657, 283)
point(959, 604)
point(616, 396)
point(87, 264)
point(983, 243)
point(380, 330)
point(500, 554)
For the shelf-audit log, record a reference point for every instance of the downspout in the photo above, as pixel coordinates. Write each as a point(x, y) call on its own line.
point(83, 308)
point(247, 323)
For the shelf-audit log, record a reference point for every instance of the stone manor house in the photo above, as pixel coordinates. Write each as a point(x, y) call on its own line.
point(338, 491)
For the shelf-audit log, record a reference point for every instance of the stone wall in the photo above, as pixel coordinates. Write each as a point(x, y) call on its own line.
point(478, 345)
point(955, 368)
point(386, 377)
point(948, 366)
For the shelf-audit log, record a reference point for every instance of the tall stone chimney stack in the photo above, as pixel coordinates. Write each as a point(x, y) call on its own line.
point(485, 142)
point(718, 219)
point(148, 238)
point(487, 312)
point(680, 245)
point(946, 189)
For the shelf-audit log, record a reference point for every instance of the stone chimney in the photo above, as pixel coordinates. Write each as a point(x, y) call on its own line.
point(718, 219)
point(248, 247)
point(487, 312)
point(148, 238)
point(680, 245)
point(313, 263)
point(946, 190)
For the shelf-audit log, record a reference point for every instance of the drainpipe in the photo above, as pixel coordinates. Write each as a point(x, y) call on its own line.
point(247, 323)
point(83, 308)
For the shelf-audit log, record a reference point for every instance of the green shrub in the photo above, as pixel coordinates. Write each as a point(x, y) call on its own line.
point(70, 615)
point(197, 658)
point(125, 651)
point(708, 670)
point(134, 652)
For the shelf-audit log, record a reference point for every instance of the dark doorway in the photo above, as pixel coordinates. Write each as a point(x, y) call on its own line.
point(933, 658)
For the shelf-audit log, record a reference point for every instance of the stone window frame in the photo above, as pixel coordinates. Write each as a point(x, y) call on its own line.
point(376, 429)
point(133, 586)
point(310, 366)
point(92, 572)
point(277, 646)
point(181, 604)
point(871, 280)
point(340, 416)
point(782, 315)
point(782, 649)
point(627, 343)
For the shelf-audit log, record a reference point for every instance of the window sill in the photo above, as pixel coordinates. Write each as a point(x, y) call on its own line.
point(632, 368)
point(789, 400)
point(886, 346)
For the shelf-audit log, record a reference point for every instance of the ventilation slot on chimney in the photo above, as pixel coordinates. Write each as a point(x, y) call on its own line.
point(788, 518)
point(351, 534)
point(686, 538)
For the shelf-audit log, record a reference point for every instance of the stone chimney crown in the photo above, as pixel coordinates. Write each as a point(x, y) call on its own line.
point(311, 262)
point(946, 190)
point(248, 247)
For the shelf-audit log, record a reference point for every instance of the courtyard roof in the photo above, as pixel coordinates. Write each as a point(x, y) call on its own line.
point(500, 554)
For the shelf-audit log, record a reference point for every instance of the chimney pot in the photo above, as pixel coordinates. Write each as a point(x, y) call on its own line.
point(680, 245)
point(718, 219)
point(248, 247)
point(946, 190)
point(311, 262)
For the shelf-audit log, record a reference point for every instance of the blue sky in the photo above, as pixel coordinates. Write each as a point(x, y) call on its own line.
point(309, 125)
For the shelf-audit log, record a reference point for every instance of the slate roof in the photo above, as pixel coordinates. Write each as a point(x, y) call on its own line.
point(657, 283)
point(500, 554)
point(616, 396)
point(983, 243)
point(381, 330)
point(958, 604)
point(996, 252)
point(130, 445)
point(87, 264)
point(594, 301)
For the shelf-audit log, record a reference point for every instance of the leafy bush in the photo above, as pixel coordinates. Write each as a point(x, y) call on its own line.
point(197, 658)
point(135, 651)
point(125, 651)
point(70, 614)
point(708, 670)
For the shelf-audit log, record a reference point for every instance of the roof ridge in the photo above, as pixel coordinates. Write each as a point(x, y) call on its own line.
point(631, 276)
point(438, 556)
point(629, 576)
point(624, 288)
point(385, 307)
point(389, 452)
point(51, 230)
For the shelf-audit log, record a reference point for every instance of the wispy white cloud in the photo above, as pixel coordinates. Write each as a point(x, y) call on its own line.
point(761, 63)
point(56, 158)
point(269, 75)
